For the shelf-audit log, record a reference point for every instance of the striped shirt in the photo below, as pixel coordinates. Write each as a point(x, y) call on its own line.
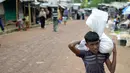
point(93, 63)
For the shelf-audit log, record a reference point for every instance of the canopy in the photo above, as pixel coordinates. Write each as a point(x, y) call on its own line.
point(118, 4)
point(44, 4)
point(1, 1)
point(126, 10)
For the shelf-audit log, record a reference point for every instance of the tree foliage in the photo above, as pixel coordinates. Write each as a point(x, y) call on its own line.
point(108, 1)
point(77, 1)
point(94, 3)
point(84, 3)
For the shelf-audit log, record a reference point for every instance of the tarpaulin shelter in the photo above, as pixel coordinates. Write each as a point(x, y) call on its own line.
point(10, 9)
point(126, 10)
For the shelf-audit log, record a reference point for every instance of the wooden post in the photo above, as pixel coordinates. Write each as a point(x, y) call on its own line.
point(29, 10)
point(17, 9)
point(24, 9)
point(34, 16)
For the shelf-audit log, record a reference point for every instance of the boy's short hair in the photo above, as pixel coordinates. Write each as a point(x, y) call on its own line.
point(91, 36)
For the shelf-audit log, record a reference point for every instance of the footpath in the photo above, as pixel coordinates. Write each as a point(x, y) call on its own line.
point(12, 27)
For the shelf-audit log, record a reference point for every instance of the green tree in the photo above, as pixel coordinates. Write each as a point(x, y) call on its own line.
point(84, 3)
point(108, 1)
point(122, 0)
point(77, 1)
point(94, 3)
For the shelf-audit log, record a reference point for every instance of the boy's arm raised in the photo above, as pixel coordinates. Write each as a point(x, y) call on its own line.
point(73, 48)
point(112, 65)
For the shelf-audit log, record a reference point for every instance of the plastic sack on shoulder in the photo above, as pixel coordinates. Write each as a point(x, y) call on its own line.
point(97, 21)
point(106, 44)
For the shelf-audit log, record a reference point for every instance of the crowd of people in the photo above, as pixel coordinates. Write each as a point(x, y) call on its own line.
point(57, 14)
point(117, 19)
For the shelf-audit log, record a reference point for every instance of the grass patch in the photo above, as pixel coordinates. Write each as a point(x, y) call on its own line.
point(117, 32)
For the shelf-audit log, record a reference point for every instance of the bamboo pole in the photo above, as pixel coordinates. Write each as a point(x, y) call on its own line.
point(17, 9)
point(23, 9)
point(29, 10)
point(34, 16)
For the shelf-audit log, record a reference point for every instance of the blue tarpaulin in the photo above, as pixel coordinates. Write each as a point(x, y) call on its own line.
point(126, 10)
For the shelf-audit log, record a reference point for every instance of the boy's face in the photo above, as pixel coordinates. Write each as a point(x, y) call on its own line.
point(93, 46)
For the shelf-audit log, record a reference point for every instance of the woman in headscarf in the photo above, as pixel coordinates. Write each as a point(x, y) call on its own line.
point(42, 16)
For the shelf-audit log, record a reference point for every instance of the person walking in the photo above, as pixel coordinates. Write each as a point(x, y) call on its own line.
point(65, 16)
point(59, 16)
point(83, 14)
point(1, 25)
point(20, 24)
point(55, 19)
point(42, 16)
point(26, 21)
point(93, 59)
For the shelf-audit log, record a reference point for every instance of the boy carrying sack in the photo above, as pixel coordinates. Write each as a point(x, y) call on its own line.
point(97, 22)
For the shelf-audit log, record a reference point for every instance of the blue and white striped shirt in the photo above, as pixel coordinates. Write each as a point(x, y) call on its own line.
point(93, 63)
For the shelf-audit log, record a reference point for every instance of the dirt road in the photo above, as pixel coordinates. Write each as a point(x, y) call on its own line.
point(44, 51)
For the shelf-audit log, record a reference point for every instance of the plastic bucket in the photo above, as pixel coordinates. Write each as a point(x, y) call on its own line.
point(123, 42)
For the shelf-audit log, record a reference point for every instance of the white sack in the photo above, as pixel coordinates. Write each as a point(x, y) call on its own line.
point(97, 22)
point(106, 44)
